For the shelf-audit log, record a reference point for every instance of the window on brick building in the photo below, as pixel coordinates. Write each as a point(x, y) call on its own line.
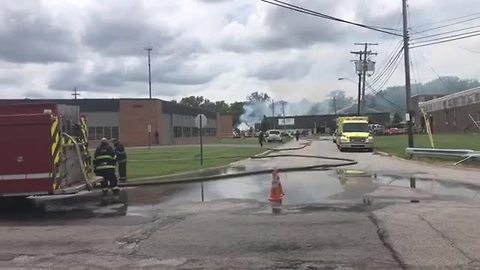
point(97, 133)
point(177, 132)
point(194, 132)
point(187, 132)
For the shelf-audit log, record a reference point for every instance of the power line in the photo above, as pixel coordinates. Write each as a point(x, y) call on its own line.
point(446, 39)
point(448, 32)
point(388, 63)
point(438, 76)
point(444, 26)
point(416, 74)
point(390, 74)
point(451, 36)
point(380, 94)
point(446, 20)
point(392, 63)
point(324, 16)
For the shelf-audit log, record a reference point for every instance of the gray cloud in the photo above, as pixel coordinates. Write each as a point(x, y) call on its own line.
point(165, 71)
point(123, 36)
point(282, 69)
point(127, 33)
point(28, 34)
point(285, 29)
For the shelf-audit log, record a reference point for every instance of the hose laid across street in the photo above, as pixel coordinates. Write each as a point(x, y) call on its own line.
point(324, 166)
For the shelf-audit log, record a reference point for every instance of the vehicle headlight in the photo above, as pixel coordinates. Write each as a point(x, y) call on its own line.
point(344, 139)
point(369, 139)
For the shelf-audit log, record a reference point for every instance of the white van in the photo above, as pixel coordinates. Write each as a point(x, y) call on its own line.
point(273, 135)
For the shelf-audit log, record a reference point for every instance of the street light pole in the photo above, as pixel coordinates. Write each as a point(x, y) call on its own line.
point(149, 49)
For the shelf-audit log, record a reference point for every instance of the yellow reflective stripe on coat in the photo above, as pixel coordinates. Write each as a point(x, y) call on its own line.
point(104, 157)
point(103, 167)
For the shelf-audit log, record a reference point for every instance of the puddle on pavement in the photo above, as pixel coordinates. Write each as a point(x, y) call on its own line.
point(440, 188)
point(221, 171)
point(307, 187)
point(299, 187)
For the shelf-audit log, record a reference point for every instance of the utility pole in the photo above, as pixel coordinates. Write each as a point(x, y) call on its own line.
point(408, 90)
point(362, 68)
point(283, 113)
point(359, 99)
point(273, 114)
point(335, 105)
point(149, 50)
point(366, 53)
point(75, 93)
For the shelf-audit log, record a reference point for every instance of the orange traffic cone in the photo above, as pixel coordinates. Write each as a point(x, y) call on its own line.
point(276, 193)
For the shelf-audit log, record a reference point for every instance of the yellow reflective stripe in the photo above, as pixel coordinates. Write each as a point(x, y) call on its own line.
point(53, 129)
point(55, 135)
point(104, 157)
point(105, 167)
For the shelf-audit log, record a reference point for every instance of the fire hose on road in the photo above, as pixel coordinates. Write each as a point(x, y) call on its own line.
point(325, 166)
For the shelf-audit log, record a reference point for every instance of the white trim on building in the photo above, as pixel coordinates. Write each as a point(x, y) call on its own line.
point(460, 99)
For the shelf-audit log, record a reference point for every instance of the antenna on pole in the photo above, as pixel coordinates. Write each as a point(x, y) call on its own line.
point(75, 93)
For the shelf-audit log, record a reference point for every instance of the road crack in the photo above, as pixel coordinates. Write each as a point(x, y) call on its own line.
point(446, 238)
point(133, 240)
point(383, 236)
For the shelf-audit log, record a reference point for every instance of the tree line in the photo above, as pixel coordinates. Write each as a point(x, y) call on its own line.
point(391, 99)
point(236, 109)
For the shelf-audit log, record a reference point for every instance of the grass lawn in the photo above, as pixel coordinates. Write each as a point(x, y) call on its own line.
point(237, 141)
point(248, 140)
point(170, 160)
point(396, 144)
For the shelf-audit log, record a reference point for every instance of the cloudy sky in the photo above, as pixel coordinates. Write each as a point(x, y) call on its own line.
point(222, 50)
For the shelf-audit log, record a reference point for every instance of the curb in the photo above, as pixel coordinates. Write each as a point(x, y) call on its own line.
point(432, 163)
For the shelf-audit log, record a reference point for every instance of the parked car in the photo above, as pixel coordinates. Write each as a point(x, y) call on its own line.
point(273, 135)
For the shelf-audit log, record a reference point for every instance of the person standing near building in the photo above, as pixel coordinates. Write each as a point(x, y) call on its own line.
point(297, 135)
point(121, 158)
point(104, 165)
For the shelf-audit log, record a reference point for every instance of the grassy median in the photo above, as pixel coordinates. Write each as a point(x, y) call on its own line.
point(169, 160)
point(396, 144)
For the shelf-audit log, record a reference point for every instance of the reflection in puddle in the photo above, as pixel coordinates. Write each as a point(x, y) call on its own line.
point(299, 187)
point(77, 206)
point(307, 187)
point(436, 187)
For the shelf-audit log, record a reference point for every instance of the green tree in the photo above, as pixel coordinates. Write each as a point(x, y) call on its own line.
point(258, 97)
point(341, 100)
point(208, 105)
point(222, 107)
point(397, 118)
point(192, 101)
point(236, 110)
point(265, 124)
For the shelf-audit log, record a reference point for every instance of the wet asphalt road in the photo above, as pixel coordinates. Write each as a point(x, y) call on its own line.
point(323, 222)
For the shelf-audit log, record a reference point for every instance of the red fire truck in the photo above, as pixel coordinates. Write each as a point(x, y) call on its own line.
point(44, 150)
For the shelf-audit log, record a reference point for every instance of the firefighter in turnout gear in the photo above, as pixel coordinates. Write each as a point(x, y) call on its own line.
point(121, 157)
point(104, 163)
